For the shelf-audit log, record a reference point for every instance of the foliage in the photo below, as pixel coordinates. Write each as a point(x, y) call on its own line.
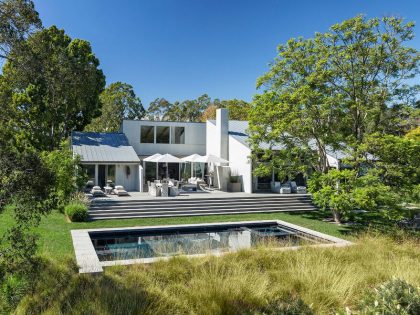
point(119, 101)
point(395, 158)
point(414, 134)
point(196, 110)
point(77, 212)
point(12, 291)
point(18, 19)
point(334, 89)
point(341, 191)
point(67, 179)
point(26, 182)
point(257, 281)
point(393, 297)
point(238, 109)
point(56, 92)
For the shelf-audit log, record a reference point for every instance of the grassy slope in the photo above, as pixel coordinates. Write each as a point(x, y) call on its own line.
point(55, 239)
point(239, 283)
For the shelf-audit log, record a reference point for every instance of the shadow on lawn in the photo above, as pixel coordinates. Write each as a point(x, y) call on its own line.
point(357, 224)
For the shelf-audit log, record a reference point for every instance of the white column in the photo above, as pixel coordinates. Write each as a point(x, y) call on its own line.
point(96, 174)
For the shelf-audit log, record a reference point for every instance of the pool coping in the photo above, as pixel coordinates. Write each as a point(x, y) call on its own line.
point(88, 260)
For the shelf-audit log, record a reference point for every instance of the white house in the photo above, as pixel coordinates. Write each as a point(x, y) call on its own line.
point(120, 156)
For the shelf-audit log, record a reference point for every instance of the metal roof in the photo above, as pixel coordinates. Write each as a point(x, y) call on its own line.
point(238, 129)
point(103, 147)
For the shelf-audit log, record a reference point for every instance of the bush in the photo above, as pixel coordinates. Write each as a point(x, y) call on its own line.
point(393, 297)
point(12, 290)
point(77, 211)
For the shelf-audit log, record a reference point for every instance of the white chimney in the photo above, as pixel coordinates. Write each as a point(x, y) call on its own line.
point(222, 133)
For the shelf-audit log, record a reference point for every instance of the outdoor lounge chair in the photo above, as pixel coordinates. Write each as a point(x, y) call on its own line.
point(301, 190)
point(285, 189)
point(173, 191)
point(97, 192)
point(164, 190)
point(293, 187)
point(120, 191)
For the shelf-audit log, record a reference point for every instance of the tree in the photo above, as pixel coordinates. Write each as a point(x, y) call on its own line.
point(55, 93)
point(18, 19)
point(119, 101)
point(238, 109)
point(158, 109)
point(341, 191)
point(338, 87)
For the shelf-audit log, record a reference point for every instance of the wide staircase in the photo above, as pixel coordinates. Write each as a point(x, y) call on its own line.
point(147, 208)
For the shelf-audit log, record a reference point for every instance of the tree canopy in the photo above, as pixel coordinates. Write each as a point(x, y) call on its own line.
point(119, 101)
point(56, 92)
point(338, 87)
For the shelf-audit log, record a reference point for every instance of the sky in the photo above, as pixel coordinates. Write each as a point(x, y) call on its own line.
point(181, 49)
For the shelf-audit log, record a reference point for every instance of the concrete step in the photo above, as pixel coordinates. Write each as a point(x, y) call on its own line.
point(181, 199)
point(194, 204)
point(186, 214)
point(201, 206)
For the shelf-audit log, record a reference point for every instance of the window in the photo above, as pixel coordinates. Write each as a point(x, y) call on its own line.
point(147, 134)
point(162, 134)
point(178, 135)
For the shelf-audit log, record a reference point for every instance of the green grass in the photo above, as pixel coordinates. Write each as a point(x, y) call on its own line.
point(246, 282)
point(55, 239)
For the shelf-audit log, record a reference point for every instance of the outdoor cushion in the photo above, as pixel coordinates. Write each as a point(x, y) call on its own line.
point(119, 187)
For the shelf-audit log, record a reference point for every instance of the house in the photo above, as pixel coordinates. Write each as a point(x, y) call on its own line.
point(120, 156)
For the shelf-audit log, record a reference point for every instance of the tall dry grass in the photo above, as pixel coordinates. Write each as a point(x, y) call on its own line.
point(327, 279)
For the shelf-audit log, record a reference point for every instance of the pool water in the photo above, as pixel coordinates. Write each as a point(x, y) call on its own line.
point(171, 241)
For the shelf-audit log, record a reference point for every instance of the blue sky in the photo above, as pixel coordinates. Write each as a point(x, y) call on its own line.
point(180, 49)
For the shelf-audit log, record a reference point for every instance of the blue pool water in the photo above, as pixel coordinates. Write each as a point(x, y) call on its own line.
point(170, 241)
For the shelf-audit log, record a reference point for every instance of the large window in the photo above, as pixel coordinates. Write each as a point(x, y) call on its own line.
point(147, 134)
point(178, 135)
point(162, 134)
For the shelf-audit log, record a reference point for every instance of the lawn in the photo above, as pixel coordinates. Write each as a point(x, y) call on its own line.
point(55, 239)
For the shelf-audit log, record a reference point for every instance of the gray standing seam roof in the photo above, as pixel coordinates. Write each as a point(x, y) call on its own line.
point(238, 129)
point(103, 147)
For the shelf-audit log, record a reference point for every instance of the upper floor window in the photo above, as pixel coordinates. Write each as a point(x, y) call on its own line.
point(178, 135)
point(147, 134)
point(162, 134)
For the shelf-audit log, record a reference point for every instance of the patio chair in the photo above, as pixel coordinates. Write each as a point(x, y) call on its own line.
point(153, 191)
point(97, 192)
point(120, 191)
point(164, 190)
point(173, 191)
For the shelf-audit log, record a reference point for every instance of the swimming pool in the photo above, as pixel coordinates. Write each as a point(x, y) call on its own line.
point(105, 247)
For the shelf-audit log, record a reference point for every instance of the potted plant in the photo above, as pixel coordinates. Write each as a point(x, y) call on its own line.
point(234, 184)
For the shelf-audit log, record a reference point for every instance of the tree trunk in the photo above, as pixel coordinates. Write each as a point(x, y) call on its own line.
point(336, 216)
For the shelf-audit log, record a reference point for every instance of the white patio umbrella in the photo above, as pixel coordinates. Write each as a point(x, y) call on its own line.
point(152, 157)
point(166, 158)
point(210, 158)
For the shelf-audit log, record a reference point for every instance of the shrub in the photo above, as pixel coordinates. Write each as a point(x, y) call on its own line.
point(64, 166)
point(393, 297)
point(12, 290)
point(76, 211)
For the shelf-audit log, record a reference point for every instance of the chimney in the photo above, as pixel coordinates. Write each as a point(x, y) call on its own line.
point(222, 133)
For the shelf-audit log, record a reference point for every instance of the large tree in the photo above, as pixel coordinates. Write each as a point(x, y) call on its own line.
point(55, 93)
point(158, 109)
point(238, 109)
point(18, 19)
point(338, 87)
point(119, 101)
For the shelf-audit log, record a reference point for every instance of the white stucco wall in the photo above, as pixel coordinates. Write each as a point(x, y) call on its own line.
point(195, 138)
point(240, 163)
point(211, 139)
point(130, 182)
